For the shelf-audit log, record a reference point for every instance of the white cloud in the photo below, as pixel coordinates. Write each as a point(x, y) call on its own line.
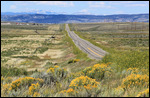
point(119, 12)
point(130, 3)
point(137, 5)
point(83, 12)
point(56, 3)
point(13, 7)
point(98, 5)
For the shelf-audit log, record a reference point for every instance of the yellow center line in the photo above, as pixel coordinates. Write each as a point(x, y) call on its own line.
point(95, 53)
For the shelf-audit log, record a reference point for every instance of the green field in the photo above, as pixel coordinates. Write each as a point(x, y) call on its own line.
point(35, 65)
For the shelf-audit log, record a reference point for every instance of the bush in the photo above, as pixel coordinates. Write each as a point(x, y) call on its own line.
point(145, 93)
point(84, 81)
point(135, 80)
point(57, 72)
point(97, 71)
point(26, 81)
point(33, 90)
point(81, 87)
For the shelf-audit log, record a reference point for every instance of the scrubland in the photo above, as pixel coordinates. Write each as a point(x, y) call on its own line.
point(35, 65)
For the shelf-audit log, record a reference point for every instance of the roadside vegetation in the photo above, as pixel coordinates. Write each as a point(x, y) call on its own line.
point(34, 65)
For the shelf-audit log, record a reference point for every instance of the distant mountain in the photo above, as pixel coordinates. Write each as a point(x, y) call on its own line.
point(62, 18)
point(30, 12)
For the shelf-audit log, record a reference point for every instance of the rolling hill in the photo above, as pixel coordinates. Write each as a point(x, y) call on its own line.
point(62, 18)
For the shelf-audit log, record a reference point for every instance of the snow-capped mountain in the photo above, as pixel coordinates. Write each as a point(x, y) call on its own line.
point(29, 12)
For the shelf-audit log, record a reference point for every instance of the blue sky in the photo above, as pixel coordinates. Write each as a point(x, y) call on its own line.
point(78, 7)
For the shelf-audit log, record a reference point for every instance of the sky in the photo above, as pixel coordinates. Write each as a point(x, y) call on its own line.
point(78, 7)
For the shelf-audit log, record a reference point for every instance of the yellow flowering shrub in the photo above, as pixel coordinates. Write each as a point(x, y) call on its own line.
point(68, 92)
point(85, 81)
point(33, 90)
point(5, 88)
point(36, 94)
point(57, 71)
point(97, 71)
point(145, 71)
point(80, 84)
point(118, 91)
point(135, 80)
point(26, 81)
point(75, 75)
point(132, 70)
point(56, 66)
point(50, 70)
point(145, 93)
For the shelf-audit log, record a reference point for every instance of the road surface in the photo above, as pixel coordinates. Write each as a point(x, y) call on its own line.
point(93, 51)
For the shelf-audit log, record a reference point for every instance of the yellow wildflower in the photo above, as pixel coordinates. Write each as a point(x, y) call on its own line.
point(36, 94)
point(69, 90)
point(144, 93)
point(135, 80)
point(83, 81)
point(56, 66)
point(24, 81)
point(33, 88)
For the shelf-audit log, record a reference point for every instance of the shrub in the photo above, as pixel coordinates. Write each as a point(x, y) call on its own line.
point(97, 71)
point(33, 90)
point(84, 81)
point(57, 72)
point(145, 93)
point(68, 92)
point(27, 81)
point(72, 76)
point(5, 88)
point(132, 71)
point(135, 80)
point(81, 86)
point(137, 71)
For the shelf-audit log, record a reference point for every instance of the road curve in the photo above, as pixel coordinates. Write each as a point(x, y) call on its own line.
point(93, 51)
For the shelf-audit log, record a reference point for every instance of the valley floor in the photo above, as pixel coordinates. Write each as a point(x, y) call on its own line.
point(33, 64)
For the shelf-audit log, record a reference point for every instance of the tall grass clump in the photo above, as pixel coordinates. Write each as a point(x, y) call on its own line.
point(13, 71)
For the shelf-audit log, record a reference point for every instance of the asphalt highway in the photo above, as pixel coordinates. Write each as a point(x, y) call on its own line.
point(93, 51)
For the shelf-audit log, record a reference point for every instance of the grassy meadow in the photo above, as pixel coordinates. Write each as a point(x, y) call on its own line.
point(35, 65)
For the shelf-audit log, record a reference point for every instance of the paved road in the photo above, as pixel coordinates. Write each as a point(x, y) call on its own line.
point(93, 51)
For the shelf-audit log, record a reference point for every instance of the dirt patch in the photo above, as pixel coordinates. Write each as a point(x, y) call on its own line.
point(14, 61)
point(51, 53)
point(103, 42)
point(71, 55)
